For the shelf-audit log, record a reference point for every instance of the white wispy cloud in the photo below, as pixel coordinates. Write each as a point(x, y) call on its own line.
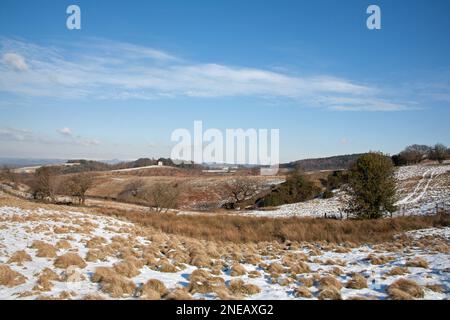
point(13, 135)
point(104, 69)
point(65, 131)
point(15, 61)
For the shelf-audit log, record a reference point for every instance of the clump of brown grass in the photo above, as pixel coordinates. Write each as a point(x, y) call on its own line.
point(44, 250)
point(436, 288)
point(43, 284)
point(378, 260)
point(329, 281)
point(19, 257)
point(167, 267)
point(102, 273)
point(302, 292)
point(254, 274)
point(147, 293)
point(201, 282)
point(126, 268)
point(238, 270)
point(300, 267)
point(417, 262)
point(200, 261)
point(404, 289)
point(284, 281)
point(307, 282)
point(96, 242)
point(356, 282)
point(252, 259)
point(397, 271)
point(72, 274)
point(179, 294)
point(238, 286)
point(49, 274)
point(9, 277)
point(63, 244)
point(94, 255)
point(336, 271)
point(92, 296)
point(157, 286)
point(329, 293)
point(275, 268)
point(199, 274)
point(112, 283)
point(69, 259)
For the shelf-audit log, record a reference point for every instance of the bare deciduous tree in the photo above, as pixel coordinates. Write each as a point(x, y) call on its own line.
point(9, 176)
point(240, 189)
point(78, 185)
point(439, 152)
point(44, 184)
point(161, 196)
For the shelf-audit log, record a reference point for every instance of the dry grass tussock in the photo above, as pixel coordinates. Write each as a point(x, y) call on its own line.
point(378, 260)
point(179, 294)
point(127, 268)
point(436, 287)
point(417, 262)
point(9, 277)
point(112, 283)
point(357, 281)
point(44, 250)
point(69, 259)
point(239, 287)
point(153, 289)
point(397, 271)
point(241, 229)
point(302, 292)
point(200, 281)
point(404, 289)
point(329, 281)
point(19, 257)
point(329, 293)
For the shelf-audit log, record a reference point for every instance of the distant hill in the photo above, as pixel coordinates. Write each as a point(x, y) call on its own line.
point(24, 162)
point(329, 163)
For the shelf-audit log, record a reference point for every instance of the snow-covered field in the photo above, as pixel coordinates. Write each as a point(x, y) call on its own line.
point(55, 254)
point(419, 189)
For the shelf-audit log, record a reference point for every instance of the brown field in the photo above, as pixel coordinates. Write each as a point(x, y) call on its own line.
point(195, 189)
point(239, 229)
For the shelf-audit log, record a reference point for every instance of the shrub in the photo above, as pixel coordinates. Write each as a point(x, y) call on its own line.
point(371, 187)
point(297, 188)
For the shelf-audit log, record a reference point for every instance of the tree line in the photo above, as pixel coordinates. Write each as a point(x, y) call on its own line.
point(417, 153)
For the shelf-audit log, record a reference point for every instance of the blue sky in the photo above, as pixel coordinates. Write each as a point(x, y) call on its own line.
point(137, 70)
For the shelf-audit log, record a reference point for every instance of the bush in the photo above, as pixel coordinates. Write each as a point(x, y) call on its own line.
point(297, 188)
point(336, 179)
point(371, 187)
point(439, 152)
point(327, 194)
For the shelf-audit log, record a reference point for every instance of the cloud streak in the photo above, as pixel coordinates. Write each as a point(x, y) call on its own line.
point(106, 69)
point(24, 135)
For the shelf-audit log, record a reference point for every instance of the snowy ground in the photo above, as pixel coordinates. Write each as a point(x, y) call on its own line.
point(278, 269)
point(419, 189)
